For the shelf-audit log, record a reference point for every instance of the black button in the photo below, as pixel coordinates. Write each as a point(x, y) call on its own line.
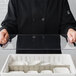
point(43, 19)
point(33, 36)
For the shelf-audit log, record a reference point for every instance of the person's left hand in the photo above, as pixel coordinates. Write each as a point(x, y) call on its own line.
point(71, 35)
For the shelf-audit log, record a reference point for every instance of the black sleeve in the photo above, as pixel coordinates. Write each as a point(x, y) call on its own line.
point(67, 19)
point(10, 21)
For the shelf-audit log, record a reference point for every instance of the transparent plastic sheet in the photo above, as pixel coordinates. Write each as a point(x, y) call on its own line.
point(38, 42)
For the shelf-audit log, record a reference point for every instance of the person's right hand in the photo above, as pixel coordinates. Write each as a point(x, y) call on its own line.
point(4, 36)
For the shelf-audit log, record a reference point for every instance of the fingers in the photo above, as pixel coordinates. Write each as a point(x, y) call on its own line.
point(1, 37)
point(7, 36)
point(4, 37)
point(72, 36)
point(4, 41)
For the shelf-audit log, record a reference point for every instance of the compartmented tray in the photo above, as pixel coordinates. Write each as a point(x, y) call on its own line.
point(38, 65)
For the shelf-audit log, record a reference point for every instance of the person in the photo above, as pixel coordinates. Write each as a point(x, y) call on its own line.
point(38, 19)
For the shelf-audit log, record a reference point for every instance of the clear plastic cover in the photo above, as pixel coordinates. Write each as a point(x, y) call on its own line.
point(38, 63)
point(38, 42)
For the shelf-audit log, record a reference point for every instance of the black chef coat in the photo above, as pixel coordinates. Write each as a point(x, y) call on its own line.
point(36, 17)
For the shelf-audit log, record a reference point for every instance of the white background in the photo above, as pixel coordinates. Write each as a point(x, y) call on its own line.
point(4, 53)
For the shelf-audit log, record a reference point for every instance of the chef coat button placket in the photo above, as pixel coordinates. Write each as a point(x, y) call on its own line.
point(43, 19)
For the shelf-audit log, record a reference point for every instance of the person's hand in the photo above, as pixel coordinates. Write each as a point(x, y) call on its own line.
point(71, 35)
point(4, 36)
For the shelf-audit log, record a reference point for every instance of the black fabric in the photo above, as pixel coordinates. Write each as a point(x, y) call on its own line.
point(38, 17)
point(67, 20)
point(38, 44)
